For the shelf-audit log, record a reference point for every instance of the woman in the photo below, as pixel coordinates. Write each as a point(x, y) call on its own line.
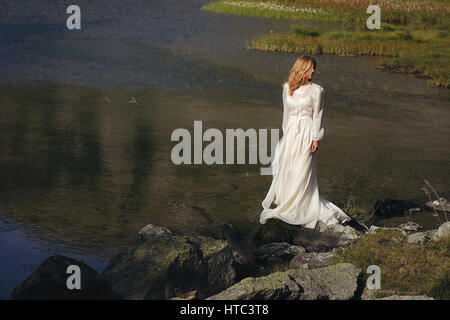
point(294, 185)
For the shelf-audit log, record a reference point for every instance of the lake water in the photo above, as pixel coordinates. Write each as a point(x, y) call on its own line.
point(82, 169)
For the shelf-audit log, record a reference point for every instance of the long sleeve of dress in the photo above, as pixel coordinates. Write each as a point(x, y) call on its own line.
point(285, 107)
point(318, 130)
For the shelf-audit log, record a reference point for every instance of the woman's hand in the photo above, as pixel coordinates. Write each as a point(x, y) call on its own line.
point(314, 145)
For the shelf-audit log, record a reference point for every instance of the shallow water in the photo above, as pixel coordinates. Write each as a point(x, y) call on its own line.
point(83, 169)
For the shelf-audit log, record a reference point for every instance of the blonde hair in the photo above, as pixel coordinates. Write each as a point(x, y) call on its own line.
point(298, 74)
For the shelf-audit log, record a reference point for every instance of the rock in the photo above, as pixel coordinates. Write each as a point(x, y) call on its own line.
point(277, 252)
point(338, 282)
point(421, 236)
point(49, 281)
point(275, 230)
point(439, 205)
point(150, 231)
point(325, 238)
point(398, 297)
point(226, 231)
point(388, 208)
point(316, 241)
point(442, 231)
point(321, 239)
point(374, 294)
point(311, 260)
point(410, 226)
point(435, 234)
point(243, 261)
point(191, 295)
point(165, 267)
point(347, 234)
point(380, 294)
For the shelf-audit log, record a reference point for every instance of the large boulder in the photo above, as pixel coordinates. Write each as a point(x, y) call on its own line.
point(49, 281)
point(166, 266)
point(338, 282)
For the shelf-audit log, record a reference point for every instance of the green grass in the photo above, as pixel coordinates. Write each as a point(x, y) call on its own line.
point(414, 36)
point(406, 268)
point(393, 11)
point(308, 31)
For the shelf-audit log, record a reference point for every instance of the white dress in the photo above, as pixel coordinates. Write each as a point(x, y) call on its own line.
point(294, 184)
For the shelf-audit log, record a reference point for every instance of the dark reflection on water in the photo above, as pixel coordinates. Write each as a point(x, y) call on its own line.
point(84, 167)
point(24, 248)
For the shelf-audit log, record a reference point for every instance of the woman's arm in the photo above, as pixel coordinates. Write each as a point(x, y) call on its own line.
point(318, 101)
point(285, 107)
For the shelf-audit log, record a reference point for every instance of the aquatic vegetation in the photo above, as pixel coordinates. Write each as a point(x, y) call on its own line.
point(272, 6)
point(305, 31)
point(400, 12)
point(414, 35)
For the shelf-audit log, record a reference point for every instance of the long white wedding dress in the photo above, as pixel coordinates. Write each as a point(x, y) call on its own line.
point(294, 184)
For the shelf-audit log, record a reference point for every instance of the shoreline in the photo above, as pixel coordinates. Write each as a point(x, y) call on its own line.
point(415, 41)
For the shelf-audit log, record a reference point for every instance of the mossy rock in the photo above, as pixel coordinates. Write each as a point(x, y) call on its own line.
point(165, 267)
point(337, 282)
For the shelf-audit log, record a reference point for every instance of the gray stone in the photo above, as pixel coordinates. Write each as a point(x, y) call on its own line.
point(439, 205)
point(277, 252)
point(410, 226)
point(374, 294)
point(442, 231)
point(165, 267)
point(398, 297)
point(338, 282)
point(434, 234)
point(150, 231)
point(311, 260)
point(421, 236)
point(346, 233)
point(379, 294)
point(321, 239)
point(325, 238)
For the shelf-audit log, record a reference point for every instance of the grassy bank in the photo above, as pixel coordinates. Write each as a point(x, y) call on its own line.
point(394, 11)
point(414, 36)
point(406, 268)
